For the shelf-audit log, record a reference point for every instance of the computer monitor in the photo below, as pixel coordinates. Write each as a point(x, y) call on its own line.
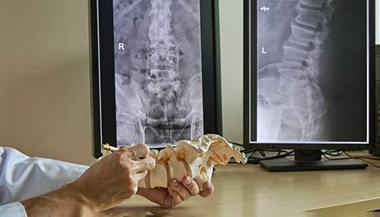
point(155, 71)
point(375, 148)
point(309, 79)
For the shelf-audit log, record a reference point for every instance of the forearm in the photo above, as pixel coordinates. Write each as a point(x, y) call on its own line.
point(63, 202)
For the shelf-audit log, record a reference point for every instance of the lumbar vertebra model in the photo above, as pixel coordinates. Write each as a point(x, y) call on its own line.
point(195, 159)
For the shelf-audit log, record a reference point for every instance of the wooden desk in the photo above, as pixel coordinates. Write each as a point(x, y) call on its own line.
point(249, 190)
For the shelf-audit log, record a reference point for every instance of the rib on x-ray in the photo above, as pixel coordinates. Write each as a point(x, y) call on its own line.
point(311, 70)
point(157, 71)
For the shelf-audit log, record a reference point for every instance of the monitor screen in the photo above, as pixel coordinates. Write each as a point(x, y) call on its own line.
point(309, 74)
point(155, 71)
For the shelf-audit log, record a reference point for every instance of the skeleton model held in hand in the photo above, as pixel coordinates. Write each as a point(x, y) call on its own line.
point(195, 159)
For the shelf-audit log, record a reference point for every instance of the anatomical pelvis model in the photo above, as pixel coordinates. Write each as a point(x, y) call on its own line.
point(195, 159)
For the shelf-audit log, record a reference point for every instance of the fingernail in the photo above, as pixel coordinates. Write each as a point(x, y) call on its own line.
point(187, 181)
point(175, 183)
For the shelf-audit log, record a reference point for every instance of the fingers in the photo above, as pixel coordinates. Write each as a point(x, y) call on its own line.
point(191, 185)
point(125, 157)
point(187, 188)
point(176, 190)
point(136, 152)
point(175, 199)
point(208, 189)
point(143, 165)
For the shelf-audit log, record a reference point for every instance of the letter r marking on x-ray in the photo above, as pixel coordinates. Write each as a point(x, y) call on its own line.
point(121, 46)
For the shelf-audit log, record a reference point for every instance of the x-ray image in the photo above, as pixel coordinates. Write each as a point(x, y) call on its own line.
point(312, 71)
point(158, 75)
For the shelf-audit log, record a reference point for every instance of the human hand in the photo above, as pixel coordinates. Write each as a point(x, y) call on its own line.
point(176, 193)
point(115, 177)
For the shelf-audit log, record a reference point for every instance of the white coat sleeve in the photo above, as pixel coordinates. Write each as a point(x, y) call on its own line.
point(23, 177)
point(15, 209)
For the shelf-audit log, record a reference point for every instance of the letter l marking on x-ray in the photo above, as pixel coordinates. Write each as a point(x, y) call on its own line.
point(263, 51)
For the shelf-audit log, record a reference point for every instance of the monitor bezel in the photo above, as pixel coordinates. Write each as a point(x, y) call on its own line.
point(103, 83)
point(304, 146)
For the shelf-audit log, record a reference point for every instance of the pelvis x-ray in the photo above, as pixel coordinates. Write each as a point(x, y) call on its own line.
point(312, 73)
point(157, 71)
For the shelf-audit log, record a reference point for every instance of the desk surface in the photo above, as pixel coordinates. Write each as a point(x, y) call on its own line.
point(249, 190)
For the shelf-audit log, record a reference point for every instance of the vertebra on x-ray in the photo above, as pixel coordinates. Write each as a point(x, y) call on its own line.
point(162, 102)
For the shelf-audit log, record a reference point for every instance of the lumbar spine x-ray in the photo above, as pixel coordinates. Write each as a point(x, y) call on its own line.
point(291, 105)
point(158, 75)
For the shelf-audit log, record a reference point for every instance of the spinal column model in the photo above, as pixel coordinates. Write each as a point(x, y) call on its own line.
point(195, 158)
point(158, 77)
point(291, 105)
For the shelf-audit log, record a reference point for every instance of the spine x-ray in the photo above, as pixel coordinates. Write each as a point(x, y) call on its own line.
point(158, 77)
point(312, 71)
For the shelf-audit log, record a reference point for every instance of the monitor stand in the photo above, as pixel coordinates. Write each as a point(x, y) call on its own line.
point(305, 160)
